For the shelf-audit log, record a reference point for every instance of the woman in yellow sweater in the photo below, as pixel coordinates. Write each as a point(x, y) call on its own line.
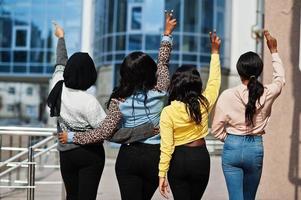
point(183, 126)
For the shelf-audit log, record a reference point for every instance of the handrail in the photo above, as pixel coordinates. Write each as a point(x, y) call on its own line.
point(30, 163)
point(27, 131)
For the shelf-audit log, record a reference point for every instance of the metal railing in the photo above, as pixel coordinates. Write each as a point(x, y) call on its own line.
point(36, 147)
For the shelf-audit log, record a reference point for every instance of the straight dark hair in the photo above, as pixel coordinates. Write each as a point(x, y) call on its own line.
point(249, 67)
point(137, 76)
point(186, 86)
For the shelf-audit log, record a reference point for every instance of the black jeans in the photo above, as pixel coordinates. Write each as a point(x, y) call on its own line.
point(188, 174)
point(137, 170)
point(81, 170)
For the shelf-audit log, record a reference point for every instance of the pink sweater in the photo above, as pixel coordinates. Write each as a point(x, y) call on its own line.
point(229, 114)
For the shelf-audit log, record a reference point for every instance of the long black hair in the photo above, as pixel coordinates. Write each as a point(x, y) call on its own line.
point(186, 86)
point(249, 67)
point(137, 75)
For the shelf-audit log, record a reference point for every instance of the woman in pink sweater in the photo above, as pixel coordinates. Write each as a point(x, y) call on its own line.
point(240, 117)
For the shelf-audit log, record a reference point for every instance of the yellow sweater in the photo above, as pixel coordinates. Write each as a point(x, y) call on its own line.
point(177, 128)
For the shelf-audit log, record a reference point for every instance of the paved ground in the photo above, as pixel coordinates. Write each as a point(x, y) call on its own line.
point(108, 190)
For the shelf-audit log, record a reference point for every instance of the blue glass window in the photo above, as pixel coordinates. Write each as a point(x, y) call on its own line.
point(19, 69)
point(136, 18)
point(5, 56)
point(207, 16)
point(135, 42)
point(152, 42)
point(20, 56)
point(190, 43)
point(120, 42)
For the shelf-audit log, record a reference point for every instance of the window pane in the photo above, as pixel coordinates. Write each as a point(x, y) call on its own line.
point(5, 36)
point(5, 56)
point(205, 59)
point(50, 57)
point(205, 45)
point(136, 18)
point(190, 43)
point(4, 68)
point(19, 69)
point(36, 56)
point(20, 56)
point(188, 57)
point(122, 13)
point(110, 15)
point(21, 38)
point(120, 42)
point(152, 42)
point(36, 69)
point(135, 42)
point(207, 16)
point(119, 56)
point(49, 69)
point(191, 15)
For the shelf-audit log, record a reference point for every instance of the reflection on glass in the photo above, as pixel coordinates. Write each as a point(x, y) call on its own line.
point(136, 18)
point(36, 69)
point(119, 56)
point(152, 42)
point(4, 68)
point(19, 68)
point(122, 13)
point(190, 15)
point(110, 15)
point(21, 38)
point(205, 45)
point(20, 56)
point(220, 23)
point(120, 42)
point(207, 16)
point(36, 56)
point(5, 36)
point(205, 59)
point(135, 42)
point(50, 58)
point(189, 57)
point(5, 56)
point(189, 43)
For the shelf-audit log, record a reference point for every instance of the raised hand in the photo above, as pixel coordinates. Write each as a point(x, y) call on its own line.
point(215, 42)
point(59, 31)
point(170, 23)
point(271, 41)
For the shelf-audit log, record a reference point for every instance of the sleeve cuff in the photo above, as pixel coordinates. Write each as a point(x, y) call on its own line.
point(162, 174)
point(167, 39)
point(215, 55)
point(70, 137)
point(276, 57)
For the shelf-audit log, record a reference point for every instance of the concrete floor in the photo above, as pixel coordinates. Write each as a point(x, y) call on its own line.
point(108, 189)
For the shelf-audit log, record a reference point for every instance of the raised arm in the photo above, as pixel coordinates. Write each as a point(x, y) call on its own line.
point(214, 81)
point(103, 132)
point(61, 55)
point(164, 53)
point(278, 81)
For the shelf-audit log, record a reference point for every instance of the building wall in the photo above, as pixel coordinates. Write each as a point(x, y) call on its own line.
point(281, 177)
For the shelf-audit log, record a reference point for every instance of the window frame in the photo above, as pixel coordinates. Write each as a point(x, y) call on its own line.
point(21, 28)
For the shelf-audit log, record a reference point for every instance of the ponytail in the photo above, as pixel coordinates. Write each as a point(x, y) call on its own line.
point(255, 91)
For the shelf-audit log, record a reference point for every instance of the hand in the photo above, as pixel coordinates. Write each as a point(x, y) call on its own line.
point(163, 187)
point(63, 137)
point(215, 43)
point(271, 41)
point(170, 23)
point(156, 130)
point(59, 31)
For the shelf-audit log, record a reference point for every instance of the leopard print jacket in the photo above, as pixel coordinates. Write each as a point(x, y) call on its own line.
point(111, 122)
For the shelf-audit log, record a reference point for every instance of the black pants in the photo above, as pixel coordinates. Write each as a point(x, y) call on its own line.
point(137, 171)
point(81, 170)
point(188, 174)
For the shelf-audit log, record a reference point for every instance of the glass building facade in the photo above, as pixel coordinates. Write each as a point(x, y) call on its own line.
point(27, 43)
point(123, 26)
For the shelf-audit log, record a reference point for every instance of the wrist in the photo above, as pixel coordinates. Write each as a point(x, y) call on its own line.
point(214, 51)
point(167, 33)
point(274, 51)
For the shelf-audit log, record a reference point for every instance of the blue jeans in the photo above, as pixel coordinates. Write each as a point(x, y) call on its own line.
point(242, 165)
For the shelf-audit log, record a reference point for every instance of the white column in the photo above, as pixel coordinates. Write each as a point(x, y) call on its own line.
point(87, 26)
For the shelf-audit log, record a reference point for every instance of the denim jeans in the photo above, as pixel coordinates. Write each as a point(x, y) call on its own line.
point(242, 165)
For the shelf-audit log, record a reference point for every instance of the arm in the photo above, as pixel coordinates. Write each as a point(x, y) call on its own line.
point(214, 81)
point(103, 132)
point(164, 54)
point(95, 113)
point(219, 121)
point(61, 56)
point(278, 75)
point(167, 143)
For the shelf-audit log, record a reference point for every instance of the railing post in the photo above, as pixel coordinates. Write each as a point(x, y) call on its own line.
point(31, 174)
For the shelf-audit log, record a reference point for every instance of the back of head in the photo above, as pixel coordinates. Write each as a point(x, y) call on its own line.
point(137, 74)
point(80, 72)
point(186, 86)
point(249, 67)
